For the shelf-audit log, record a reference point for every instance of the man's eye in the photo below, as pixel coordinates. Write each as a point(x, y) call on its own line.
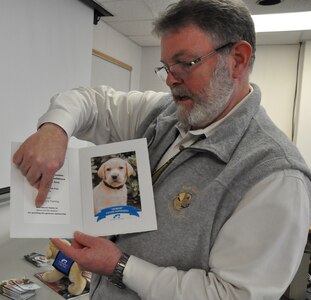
point(185, 65)
point(181, 62)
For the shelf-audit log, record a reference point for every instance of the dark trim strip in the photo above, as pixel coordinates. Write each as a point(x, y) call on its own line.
point(99, 11)
point(4, 194)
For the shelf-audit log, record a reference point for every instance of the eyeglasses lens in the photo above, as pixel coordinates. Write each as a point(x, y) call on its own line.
point(162, 74)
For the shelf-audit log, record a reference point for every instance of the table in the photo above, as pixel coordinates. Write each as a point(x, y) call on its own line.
point(13, 265)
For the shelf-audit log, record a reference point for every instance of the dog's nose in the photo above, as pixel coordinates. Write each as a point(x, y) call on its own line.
point(114, 177)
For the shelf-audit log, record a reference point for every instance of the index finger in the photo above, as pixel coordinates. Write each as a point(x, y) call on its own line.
point(65, 248)
point(44, 188)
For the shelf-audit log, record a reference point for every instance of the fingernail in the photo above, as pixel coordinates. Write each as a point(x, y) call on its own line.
point(39, 204)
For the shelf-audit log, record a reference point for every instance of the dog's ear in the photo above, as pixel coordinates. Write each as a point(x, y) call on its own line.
point(129, 170)
point(101, 172)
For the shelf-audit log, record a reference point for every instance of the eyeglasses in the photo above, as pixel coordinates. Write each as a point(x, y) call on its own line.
point(181, 70)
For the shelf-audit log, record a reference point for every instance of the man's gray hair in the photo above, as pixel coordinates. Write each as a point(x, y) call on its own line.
point(224, 20)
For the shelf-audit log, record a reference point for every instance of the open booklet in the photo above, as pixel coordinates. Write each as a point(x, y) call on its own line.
point(100, 190)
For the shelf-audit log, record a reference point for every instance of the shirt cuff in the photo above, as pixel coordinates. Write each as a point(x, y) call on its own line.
point(60, 118)
point(138, 275)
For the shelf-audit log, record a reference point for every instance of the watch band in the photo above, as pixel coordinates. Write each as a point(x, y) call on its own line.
point(117, 276)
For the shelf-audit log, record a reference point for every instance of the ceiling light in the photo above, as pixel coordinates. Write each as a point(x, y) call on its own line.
point(283, 22)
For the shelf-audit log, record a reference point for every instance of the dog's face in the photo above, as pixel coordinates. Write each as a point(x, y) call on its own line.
point(115, 171)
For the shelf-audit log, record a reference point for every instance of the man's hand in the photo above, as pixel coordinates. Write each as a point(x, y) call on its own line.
point(40, 156)
point(94, 254)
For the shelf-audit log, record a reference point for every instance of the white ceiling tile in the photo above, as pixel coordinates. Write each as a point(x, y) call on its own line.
point(132, 27)
point(145, 41)
point(133, 18)
point(158, 5)
point(125, 10)
point(273, 38)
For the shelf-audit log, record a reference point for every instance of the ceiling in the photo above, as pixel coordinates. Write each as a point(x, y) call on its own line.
point(133, 18)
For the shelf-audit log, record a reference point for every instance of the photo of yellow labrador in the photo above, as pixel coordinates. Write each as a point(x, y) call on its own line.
point(112, 190)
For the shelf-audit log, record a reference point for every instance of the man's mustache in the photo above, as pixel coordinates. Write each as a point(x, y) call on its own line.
point(179, 93)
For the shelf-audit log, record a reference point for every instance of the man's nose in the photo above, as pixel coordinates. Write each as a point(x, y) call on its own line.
point(172, 79)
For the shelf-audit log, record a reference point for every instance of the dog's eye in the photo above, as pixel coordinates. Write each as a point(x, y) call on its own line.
point(108, 169)
point(121, 168)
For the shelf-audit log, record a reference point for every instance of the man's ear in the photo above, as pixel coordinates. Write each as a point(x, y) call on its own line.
point(241, 54)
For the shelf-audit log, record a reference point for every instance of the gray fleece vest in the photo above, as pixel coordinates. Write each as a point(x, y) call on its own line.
point(197, 193)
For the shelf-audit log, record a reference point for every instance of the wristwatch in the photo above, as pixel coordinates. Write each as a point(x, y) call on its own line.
point(117, 276)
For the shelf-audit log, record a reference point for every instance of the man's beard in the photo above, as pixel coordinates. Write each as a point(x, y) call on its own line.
point(208, 103)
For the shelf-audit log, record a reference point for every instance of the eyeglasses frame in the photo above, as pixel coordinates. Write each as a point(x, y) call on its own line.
point(192, 63)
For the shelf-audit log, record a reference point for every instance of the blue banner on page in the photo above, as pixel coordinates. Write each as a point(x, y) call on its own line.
point(117, 211)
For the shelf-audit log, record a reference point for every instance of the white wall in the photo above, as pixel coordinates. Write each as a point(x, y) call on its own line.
point(275, 71)
point(110, 42)
point(45, 48)
point(303, 135)
point(149, 80)
point(42, 57)
point(4, 223)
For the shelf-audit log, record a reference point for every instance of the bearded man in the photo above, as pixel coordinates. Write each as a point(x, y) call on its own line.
point(231, 191)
